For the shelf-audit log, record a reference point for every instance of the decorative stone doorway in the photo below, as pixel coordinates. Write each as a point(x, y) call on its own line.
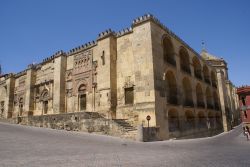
point(82, 98)
point(45, 107)
point(82, 102)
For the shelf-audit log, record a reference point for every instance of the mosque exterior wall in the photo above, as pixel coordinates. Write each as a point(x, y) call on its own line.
point(125, 76)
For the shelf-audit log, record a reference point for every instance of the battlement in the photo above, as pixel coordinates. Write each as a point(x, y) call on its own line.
point(82, 47)
point(244, 87)
point(105, 34)
point(144, 18)
point(6, 76)
point(32, 66)
point(20, 73)
point(150, 17)
point(109, 32)
point(57, 54)
point(124, 32)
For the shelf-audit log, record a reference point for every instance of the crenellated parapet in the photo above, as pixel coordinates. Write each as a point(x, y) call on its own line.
point(82, 47)
point(243, 87)
point(144, 18)
point(6, 76)
point(20, 74)
point(57, 54)
point(150, 17)
point(105, 34)
point(124, 31)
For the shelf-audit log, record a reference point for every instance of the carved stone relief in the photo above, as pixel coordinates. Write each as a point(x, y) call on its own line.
point(19, 97)
point(43, 91)
point(128, 83)
point(83, 72)
point(45, 73)
point(19, 91)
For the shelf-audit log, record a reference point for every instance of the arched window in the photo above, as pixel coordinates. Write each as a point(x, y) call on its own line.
point(171, 88)
point(187, 90)
point(197, 68)
point(45, 95)
point(184, 60)
point(206, 74)
point(168, 51)
point(199, 96)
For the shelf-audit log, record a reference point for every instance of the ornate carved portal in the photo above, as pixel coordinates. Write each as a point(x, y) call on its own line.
point(43, 96)
point(82, 72)
point(82, 100)
point(81, 79)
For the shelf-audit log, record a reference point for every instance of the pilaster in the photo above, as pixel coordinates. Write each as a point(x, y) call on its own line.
point(59, 84)
point(222, 92)
point(10, 85)
point(29, 95)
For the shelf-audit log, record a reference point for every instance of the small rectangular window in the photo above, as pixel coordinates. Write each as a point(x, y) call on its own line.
point(103, 58)
point(129, 95)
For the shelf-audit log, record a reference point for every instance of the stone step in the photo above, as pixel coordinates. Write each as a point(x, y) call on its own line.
point(95, 114)
point(130, 131)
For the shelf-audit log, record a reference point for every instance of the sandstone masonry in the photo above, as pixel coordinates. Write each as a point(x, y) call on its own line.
point(121, 78)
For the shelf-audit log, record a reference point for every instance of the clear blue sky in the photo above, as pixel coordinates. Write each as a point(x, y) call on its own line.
point(31, 30)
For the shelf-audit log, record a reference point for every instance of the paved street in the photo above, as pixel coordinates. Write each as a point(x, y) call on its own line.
point(34, 147)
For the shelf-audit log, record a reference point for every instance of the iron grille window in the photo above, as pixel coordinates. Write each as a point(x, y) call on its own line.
point(129, 95)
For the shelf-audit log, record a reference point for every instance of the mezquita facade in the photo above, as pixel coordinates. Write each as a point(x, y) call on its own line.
point(121, 78)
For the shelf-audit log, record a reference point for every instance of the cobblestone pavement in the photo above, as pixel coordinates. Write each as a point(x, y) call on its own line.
point(34, 147)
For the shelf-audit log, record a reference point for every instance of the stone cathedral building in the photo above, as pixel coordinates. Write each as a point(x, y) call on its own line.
point(112, 84)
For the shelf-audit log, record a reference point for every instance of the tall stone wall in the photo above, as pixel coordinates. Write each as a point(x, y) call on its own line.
point(43, 87)
point(135, 71)
point(162, 69)
point(59, 84)
point(124, 76)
